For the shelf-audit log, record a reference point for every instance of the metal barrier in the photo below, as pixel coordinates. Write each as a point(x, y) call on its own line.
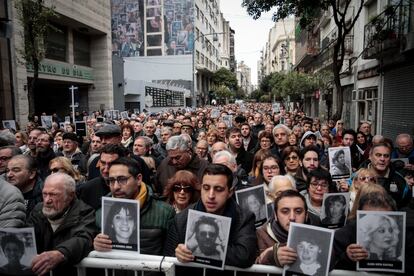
point(141, 262)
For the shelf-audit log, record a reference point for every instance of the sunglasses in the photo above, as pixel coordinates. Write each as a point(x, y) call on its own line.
point(55, 170)
point(179, 188)
point(365, 178)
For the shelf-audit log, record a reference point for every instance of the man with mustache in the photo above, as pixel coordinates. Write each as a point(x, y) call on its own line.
point(64, 227)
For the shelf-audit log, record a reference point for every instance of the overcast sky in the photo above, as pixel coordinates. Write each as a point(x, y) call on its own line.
point(250, 35)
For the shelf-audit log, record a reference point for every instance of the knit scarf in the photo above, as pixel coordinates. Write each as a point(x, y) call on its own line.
point(279, 232)
point(142, 195)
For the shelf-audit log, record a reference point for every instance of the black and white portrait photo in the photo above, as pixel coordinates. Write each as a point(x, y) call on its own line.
point(340, 162)
point(18, 248)
point(334, 210)
point(120, 221)
point(313, 246)
point(9, 124)
point(46, 121)
point(207, 237)
point(253, 200)
point(382, 234)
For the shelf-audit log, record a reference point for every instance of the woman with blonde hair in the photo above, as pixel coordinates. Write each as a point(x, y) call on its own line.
point(380, 237)
point(63, 165)
point(362, 176)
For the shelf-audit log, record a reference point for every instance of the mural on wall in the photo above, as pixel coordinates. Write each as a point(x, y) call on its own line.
point(179, 17)
point(127, 28)
point(168, 30)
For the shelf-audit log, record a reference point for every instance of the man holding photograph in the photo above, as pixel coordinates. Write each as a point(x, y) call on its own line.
point(64, 227)
point(125, 181)
point(216, 198)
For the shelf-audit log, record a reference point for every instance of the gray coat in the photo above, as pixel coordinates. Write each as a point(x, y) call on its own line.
point(12, 208)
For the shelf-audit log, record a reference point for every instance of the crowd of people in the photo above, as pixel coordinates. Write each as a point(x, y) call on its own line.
point(195, 159)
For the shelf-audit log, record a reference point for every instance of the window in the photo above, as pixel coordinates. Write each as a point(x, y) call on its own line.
point(81, 49)
point(56, 43)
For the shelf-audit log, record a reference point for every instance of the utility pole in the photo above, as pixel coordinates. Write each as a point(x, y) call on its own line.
point(72, 90)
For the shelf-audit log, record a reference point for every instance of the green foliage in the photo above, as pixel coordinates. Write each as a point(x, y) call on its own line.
point(293, 84)
point(306, 10)
point(345, 14)
point(34, 17)
point(222, 91)
point(225, 77)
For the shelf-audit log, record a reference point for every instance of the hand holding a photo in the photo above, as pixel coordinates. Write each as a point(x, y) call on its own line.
point(343, 185)
point(264, 255)
point(102, 243)
point(183, 254)
point(46, 261)
point(286, 255)
point(356, 252)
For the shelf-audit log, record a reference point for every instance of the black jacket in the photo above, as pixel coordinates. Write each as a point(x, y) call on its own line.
point(242, 244)
point(43, 159)
point(395, 185)
point(245, 159)
point(91, 192)
point(73, 238)
point(344, 237)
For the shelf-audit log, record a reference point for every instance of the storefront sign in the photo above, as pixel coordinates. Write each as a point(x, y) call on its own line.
point(64, 70)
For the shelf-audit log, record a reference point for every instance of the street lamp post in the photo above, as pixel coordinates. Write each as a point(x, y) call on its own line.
point(215, 38)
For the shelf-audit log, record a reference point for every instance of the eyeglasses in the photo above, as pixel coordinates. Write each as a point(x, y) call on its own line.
point(122, 180)
point(273, 168)
point(366, 178)
point(179, 188)
point(55, 170)
point(323, 185)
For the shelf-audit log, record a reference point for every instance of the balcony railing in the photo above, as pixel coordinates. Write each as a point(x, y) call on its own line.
point(384, 33)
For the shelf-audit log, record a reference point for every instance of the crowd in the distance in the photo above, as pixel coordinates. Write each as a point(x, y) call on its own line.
point(174, 161)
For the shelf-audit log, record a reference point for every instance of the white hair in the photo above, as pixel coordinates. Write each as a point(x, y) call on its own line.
point(67, 181)
point(177, 142)
point(275, 179)
point(287, 130)
point(227, 154)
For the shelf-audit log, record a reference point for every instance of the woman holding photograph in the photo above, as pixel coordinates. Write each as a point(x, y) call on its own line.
point(120, 224)
point(380, 234)
point(347, 252)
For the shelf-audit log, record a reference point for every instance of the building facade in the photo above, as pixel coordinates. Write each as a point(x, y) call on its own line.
point(194, 31)
point(278, 55)
point(78, 53)
point(378, 66)
point(244, 77)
